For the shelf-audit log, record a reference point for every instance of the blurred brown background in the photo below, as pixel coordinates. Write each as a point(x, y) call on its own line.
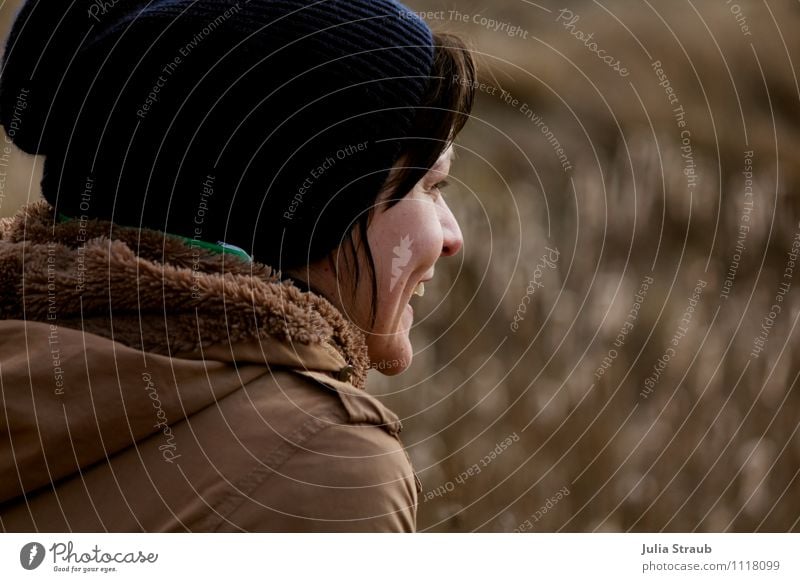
point(521, 427)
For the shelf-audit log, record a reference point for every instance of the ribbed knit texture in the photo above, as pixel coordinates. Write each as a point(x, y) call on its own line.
point(221, 120)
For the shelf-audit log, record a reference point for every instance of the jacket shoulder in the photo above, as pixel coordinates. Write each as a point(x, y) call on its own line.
point(354, 478)
point(359, 406)
point(340, 465)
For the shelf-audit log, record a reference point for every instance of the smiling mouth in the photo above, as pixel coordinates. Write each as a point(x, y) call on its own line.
point(419, 291)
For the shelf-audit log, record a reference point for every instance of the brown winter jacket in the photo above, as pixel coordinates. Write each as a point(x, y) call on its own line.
point(149, 385)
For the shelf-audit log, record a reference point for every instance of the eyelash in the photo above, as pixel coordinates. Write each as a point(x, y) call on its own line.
point(439, 186)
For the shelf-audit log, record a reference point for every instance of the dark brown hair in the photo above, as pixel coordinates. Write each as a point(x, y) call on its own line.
point(444, 111)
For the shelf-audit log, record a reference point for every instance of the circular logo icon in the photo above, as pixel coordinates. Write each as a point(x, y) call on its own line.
point(31, 555)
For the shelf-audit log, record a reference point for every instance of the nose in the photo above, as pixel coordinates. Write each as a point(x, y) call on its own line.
point(452, 238)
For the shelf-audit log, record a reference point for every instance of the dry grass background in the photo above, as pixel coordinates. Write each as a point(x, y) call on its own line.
point(715, 447)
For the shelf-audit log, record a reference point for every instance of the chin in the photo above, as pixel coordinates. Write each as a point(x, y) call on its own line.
point(392, 360)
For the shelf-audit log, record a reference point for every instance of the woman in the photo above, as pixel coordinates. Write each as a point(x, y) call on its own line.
point(241, 200)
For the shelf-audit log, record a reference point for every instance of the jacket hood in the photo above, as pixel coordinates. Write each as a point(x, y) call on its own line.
point(156, 293)
point(99, 324)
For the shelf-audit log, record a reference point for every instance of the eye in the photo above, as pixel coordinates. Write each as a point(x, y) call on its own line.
point(438, 187)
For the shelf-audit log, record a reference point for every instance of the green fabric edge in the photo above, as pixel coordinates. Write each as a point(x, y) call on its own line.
point(215, 248)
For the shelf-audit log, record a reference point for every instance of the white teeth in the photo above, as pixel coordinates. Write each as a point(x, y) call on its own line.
point(419, 289)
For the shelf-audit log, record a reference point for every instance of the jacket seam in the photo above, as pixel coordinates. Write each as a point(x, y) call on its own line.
point(387, 419)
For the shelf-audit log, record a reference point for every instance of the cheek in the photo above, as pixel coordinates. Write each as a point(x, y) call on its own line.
point(405, 240)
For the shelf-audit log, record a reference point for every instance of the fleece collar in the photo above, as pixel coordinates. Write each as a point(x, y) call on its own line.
point(155, 293)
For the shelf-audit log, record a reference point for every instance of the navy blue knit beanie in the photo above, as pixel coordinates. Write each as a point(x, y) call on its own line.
point(269, 124)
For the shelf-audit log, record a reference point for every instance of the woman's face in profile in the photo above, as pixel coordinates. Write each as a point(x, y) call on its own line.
point(406, 241)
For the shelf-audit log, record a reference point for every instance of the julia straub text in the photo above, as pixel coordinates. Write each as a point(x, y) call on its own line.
point(675, 549)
